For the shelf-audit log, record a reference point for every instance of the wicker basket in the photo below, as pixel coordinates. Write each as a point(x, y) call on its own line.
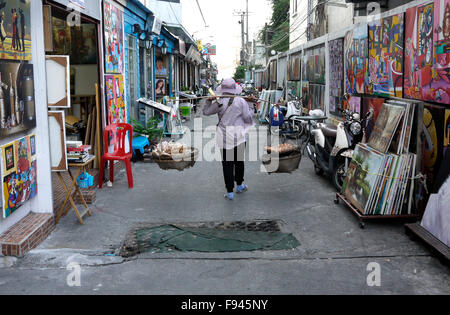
point(178, 162)
point(282, 164)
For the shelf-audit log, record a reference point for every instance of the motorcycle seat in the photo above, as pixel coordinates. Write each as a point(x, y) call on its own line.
point(329, 130)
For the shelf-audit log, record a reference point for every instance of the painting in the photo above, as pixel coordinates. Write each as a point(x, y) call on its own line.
point(336, 51)
point(385, 75)
point(434, 129)
point(316, 96)
point(161, 87)
point(19, 182)
point(353, 104)
point(305, 94)
point(114, 57)
point(294, 68)
point(427, 52)
point(361, 176)
point(371, 104)
point(355, 60)
point(319, 65)
point(61, 36)
point(15, 30)
point(17, 106)
point(115, 99)
point(83, 44)
point(273, 71)
point(385, 127)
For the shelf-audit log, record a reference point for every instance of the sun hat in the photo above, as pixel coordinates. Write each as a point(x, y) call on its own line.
point(229, 86)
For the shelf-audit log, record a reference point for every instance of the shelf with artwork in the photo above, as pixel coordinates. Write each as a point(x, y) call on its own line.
point(383, 177)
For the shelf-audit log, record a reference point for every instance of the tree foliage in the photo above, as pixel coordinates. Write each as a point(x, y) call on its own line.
point(239, 75)
point(278, 28)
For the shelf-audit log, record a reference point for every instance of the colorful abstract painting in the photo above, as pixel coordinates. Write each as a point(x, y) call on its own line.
point(336, 50)
point(427, 52)
point(114, 56)
point(355, 60)
point(115, 99)
point(19, 182)
point(15, 30)
point(386, 57)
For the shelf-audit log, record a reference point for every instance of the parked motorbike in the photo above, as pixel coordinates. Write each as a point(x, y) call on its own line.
point(281, 116)
point(331, 147)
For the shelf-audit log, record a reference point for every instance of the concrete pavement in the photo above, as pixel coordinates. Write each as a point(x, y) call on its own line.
point(332, 258)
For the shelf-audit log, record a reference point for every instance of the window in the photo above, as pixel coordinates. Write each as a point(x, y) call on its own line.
point(294, 7)
point(132, 77)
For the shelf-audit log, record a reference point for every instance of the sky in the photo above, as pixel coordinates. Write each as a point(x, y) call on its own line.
point(224, 31)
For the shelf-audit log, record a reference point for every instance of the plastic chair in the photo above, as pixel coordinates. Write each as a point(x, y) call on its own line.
point(119, 135)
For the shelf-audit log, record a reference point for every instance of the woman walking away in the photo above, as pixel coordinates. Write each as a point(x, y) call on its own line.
point(235, 117)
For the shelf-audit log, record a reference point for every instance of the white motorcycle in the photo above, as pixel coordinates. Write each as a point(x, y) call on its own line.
point(331, 147)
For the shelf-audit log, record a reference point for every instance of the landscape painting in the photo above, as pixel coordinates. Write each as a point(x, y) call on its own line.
point(386, 57)
point(385, 127)
point(361, 177)
point(15, 30)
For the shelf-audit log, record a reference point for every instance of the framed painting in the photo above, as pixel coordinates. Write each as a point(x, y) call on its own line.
point(17, 104)
point(115, 99)
point(294, 68)
point(355, 60)
point(58, 81)
point(19, 181)
point(336, 75)
point(114, 38)
point(15, 30)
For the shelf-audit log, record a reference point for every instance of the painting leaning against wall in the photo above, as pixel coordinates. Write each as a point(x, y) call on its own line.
point(115, 99)
point(19, 181)
point(385, 75)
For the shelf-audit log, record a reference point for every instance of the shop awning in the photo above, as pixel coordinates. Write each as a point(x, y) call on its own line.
point(180, 32)
point(193, 55)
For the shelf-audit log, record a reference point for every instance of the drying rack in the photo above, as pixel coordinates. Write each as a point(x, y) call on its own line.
point(363, 218)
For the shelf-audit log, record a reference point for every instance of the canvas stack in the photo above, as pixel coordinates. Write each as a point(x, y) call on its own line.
point(380, 179)
point(77, 152)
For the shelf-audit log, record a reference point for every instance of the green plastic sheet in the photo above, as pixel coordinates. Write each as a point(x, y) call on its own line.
point(168, 238)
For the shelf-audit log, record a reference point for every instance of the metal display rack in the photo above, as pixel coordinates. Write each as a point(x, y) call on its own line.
point(363, 218)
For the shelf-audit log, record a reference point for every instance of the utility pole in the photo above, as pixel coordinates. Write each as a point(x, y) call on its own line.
point(266, 42)
point(248, 38)
point(243, 48)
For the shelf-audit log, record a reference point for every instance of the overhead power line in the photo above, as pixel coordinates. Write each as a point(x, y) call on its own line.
point(201, 12)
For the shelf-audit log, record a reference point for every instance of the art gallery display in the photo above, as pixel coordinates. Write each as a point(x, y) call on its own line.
point(336, 51)
point(427, 52)
point(115, 99)
point(19, 181)
point(355, 60)
point(17, 105)
point(385, 72)
point(114, 36)
point(15, 30)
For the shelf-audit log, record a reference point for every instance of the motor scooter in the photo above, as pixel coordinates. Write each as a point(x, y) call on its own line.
point(282, 115)
point(331, 147)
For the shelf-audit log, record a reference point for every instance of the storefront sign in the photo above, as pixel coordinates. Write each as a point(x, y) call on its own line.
point(157, 25)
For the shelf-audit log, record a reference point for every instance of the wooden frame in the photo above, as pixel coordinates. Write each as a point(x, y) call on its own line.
point(48, 28)
point(58, 72)
point(58, 141)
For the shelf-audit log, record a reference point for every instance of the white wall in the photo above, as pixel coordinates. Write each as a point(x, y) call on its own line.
point(339, 17)
point(43, 202)
point(298, 23)
point(169, 12)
